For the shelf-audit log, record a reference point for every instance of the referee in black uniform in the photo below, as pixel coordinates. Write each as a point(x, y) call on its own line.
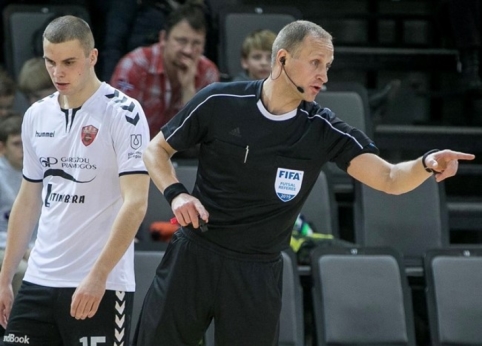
point(262, 145)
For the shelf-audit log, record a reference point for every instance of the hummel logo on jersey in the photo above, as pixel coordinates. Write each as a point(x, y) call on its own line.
point(129, 108)
point(115, 94)
point(16, 339)
point(44, 134)
point(235, 132)
point(119, 317)
point(134, 120)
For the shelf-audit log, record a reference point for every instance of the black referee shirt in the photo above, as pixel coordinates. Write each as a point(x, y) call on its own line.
point(257, 169)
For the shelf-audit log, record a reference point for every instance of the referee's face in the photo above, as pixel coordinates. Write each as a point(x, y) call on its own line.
point(309, 66)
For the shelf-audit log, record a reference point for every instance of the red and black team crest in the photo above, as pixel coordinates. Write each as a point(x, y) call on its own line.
point(88, 134)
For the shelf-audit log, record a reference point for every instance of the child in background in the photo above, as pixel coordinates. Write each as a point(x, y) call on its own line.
point(256, 55)
point(34, 80)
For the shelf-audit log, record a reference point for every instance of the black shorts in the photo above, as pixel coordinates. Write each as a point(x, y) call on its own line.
point(41, 317)
point(198, 281)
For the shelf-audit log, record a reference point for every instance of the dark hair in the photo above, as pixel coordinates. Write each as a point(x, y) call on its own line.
point(193, 12)
point(68, 28)
point(10, 126)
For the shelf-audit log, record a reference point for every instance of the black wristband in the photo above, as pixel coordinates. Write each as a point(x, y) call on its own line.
point(424, 157)
point(172, 191)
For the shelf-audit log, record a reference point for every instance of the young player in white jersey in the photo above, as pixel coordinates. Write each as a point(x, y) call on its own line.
point(84, 176)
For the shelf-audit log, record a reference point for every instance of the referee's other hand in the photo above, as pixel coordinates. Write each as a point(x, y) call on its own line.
point(188, 210)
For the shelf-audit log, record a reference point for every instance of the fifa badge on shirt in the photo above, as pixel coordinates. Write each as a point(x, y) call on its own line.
point(288, 183)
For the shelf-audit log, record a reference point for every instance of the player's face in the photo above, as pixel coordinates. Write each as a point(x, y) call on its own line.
point(183, 46)
point(13, 150)
point(311, 64)
point(257, 64)
point(68, 65)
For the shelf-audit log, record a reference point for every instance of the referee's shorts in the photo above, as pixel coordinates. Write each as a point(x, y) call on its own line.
point(197, 281)
point(41, 317)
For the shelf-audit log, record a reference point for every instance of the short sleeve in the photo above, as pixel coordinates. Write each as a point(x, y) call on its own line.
point(190, 126)
point(345, 142)
point(131, 137)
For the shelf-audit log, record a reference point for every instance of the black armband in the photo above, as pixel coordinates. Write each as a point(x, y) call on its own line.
point(424, 157)
point(172, 191)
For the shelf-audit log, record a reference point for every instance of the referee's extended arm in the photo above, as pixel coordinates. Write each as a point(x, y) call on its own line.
point(399, 178)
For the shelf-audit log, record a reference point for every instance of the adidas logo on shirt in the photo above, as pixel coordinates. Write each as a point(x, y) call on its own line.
point(235, 132)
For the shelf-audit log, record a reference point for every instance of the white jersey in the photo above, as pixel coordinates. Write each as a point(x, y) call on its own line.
point(79, 155)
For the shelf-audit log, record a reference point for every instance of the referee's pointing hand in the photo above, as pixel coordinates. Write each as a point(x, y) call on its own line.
point(446, 162)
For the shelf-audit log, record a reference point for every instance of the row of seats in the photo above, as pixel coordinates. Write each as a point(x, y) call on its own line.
point(361, 296)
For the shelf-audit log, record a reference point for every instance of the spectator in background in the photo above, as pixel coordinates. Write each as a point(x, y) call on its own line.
point(7, 94)
point(136, 23)
point(11, 164)
point(34, 80)
point(165, 76)
point(256, 55)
